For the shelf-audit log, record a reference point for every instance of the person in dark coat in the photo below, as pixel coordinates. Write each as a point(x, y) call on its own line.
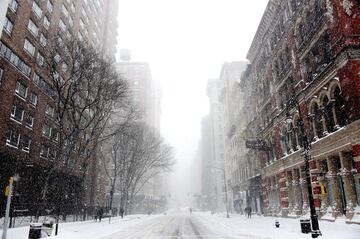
point(100, 213)
point(249, 211)
point(122, 212)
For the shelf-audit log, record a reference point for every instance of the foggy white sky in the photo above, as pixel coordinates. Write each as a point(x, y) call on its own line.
point(185, 43)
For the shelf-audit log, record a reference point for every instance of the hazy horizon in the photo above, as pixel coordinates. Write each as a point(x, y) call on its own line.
point(185, 43)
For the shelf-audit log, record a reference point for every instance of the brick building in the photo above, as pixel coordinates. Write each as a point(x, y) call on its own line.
point(308, 51)
point(27, 134)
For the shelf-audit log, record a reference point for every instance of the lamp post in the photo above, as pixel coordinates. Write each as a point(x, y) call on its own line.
point(293, 102)
point(225, 188)
point(8, 193)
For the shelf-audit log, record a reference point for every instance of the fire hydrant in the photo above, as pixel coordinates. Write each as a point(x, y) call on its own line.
point(277, 223)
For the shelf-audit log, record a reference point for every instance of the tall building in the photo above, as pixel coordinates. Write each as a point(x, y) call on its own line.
point(208, 186)
point(141, 85)
point(307, 51)
point(224, 108)
point(217, 117)
point(24, 88)
point(146, 97)
point(231, 99)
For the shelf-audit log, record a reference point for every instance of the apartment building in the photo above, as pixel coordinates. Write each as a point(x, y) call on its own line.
point(28, 132)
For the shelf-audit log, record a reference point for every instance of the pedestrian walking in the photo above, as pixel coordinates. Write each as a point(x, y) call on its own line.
point(100, 213)
point(122, 212)
point(249, 212)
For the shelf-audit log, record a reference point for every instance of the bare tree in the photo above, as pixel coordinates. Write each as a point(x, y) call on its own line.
point(85, 89)
point(136, 154)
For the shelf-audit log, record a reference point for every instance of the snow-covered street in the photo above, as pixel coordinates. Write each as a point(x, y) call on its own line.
point(179, 224)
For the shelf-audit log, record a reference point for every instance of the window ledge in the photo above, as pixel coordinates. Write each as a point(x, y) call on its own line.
point(12, 146)
point(15, 120)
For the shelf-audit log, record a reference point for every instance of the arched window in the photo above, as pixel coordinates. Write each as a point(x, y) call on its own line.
point(285, 142)
point(292, 137)
point(316, 121)
point(328, 114)
point(298, 133)
point(339, 107)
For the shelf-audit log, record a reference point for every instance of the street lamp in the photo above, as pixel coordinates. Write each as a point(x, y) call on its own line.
point(293, 102)
point(225, 188)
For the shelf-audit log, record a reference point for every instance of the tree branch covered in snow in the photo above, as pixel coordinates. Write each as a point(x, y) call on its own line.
point(85, 88)
point(136, 154)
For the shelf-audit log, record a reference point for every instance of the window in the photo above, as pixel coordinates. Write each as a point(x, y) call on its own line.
point(36, 79)
point(71, 21)
point(72, 7)
point(17, 113)
point(13, 5)
point(33, 99)
point(21, 89)
point(65, 11)
point(43, 40)
point(46, 23)
point(49, 111)
point(33, 28)
point(12, 138)
point(82, 25)
point(57, 58)
point(68, 36)
point(64, 67)
point(29, 120)
point(29, 48)
point(56, 136)
point(36, 9)
point(80, 36)
point(62, 26)
point(14, 59)
point(39, 59)
point(83, 12)
point(8, 26)
point(26, 143)
point(52, 153)
point(44, 152)
point(46, 131)
point(49, 6)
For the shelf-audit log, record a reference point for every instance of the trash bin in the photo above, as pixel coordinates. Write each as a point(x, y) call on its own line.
point(35, 231)
point(277, 223)
point(46, 229)
point(305, 225)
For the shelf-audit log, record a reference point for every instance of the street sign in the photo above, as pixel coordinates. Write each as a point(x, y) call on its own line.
point(258, 144)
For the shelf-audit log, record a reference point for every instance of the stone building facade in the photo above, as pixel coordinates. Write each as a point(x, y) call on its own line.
point(232, 102)
point(25, 102)
point(308, 51)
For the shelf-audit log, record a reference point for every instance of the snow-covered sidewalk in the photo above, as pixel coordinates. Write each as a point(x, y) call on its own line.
point(264, 227)
point(86, 229)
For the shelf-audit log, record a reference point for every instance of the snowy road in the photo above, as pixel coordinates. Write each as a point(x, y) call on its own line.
point(179, 224)
point(175, 225)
